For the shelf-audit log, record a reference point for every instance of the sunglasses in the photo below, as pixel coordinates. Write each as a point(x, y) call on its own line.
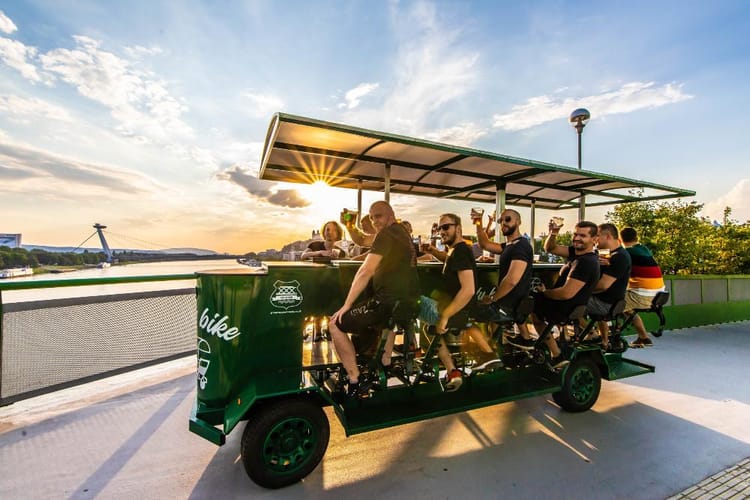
point(507, 218)
point(445, 227)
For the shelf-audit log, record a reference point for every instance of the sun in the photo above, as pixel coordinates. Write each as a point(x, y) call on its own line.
point(326, 200)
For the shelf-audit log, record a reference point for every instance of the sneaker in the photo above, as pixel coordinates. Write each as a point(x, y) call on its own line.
point(639, 342)
point(521, 343)
point(453, 381)
point(482, 360)
point(558, 362)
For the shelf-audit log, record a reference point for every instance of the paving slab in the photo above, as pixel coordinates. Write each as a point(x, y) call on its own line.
point(654, 436)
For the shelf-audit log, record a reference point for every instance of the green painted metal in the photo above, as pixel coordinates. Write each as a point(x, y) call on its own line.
point(357, 157)
point(397, 406)
point(204, 429)
point(30, 285)
point(250, 331)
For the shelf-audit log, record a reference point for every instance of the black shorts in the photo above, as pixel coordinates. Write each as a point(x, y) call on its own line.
point(364, 315)
point(550, 310)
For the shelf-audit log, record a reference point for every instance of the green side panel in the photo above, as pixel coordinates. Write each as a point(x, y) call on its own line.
point(619, 367)
point(204, 429)
point(686, 316)
point(403, 405)
point(250, 328)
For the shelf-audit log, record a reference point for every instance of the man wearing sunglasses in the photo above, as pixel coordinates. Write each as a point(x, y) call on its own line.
point(389, 274)
point(450, 305)
point(574, 285)
point(515, 270)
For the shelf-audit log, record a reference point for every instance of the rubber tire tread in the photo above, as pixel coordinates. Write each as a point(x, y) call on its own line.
point(565, 400)
point(261, 421)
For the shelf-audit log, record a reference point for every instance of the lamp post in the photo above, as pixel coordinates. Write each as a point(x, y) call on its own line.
point(579, 118)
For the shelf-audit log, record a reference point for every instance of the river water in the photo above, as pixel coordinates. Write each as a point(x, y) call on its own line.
point(129, 270)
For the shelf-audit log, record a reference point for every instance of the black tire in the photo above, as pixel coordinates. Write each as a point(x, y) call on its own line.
point(284, 441)
point(581, 386)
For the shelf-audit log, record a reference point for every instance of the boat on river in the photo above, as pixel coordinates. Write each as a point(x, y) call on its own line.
point(16, 272)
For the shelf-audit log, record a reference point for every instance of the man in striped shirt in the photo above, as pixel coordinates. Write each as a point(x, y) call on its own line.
point(645, 282)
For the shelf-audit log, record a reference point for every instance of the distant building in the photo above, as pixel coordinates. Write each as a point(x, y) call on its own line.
point(10, 240)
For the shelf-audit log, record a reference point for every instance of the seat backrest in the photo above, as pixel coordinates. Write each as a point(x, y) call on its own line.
point(522, 310)
point(660, 300)
point(617, 308)
point(577, 313)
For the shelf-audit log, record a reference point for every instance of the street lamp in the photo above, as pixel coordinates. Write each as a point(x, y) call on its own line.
point(579, 118)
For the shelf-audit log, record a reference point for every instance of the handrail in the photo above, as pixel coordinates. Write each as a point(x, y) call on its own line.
point(29, 285)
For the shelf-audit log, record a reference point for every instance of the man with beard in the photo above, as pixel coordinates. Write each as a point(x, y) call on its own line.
point(391, 269)
point(574, 286)
point(450, 306)
point(515, 269)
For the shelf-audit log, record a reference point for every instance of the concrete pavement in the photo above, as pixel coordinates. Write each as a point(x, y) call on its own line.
point(652, 436)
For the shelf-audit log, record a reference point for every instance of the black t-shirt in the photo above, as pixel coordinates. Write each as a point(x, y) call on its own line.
point(518, 249)
point(619, 268)
point(584, 268)
point(395, 278)
point(460, 258)
point(318, 245)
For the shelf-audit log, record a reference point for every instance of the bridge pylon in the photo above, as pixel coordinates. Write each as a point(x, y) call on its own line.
point(105, 246)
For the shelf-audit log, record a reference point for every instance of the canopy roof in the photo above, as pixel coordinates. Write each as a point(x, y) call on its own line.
point(303, 150)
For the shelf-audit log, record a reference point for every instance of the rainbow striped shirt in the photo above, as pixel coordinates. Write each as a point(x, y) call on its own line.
point(645, 275)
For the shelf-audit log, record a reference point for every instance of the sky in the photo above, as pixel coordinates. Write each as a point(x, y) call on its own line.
point(149, 116)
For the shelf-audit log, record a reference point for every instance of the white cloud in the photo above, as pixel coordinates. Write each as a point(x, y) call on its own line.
point(262, 106)
point(738, 199)
point(431, 68)
point(20, 106)
point(353, 96)
point(463, 134)
point(16, 55)
point(628, 98)
point(26, 169)
point(139, 102)
point(6, 25)
point(137, 51)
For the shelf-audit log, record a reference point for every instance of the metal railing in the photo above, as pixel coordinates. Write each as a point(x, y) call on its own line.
point(48, 344)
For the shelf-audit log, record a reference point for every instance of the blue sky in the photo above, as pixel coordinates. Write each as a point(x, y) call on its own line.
point(140, 115)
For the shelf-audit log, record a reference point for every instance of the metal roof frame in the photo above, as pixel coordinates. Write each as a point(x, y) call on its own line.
point(305, 150)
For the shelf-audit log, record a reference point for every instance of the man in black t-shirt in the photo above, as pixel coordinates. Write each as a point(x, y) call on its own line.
point(452, 304)
point(615, 265)
point(391, 269)
point(515, 270)
point(574, 286)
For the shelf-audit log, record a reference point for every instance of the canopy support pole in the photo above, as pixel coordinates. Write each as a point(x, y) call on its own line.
point(582, 208)
point(532, 223)
point(359, 198)
point(499, 207)
point(387, 182)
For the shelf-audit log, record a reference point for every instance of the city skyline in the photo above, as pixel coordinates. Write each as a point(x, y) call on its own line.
point(149, 117)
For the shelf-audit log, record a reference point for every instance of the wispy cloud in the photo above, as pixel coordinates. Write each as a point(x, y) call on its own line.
point(262, 105)
point(353, 96)
point(17, 55)
point(431, 69)
point(42, 171)
point(628, 98)
point(738, 199)
point(463, 134)
point(263, 190)
point(139, 102)
point(6, 25)
point(20, 106)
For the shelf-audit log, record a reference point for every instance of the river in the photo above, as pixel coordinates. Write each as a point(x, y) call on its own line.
point(129, 270)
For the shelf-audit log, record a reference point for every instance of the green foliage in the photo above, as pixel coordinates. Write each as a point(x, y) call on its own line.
point(684, 242)
point(20, 257)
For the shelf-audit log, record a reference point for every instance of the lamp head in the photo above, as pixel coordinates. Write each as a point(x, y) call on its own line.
point(579, 118)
